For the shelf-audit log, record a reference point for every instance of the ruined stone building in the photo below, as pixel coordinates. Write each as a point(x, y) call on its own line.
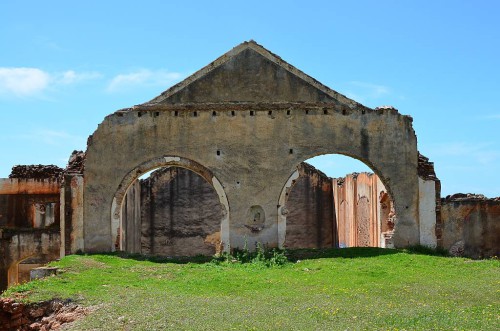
point(227, 146)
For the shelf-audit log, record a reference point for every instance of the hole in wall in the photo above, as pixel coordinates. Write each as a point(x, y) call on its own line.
point(251, 112)
point(232, 113)
point(176, 113)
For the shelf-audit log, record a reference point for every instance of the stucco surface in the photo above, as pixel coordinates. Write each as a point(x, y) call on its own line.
point(251, 148)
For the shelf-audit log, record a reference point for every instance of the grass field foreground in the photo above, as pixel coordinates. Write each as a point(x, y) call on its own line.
point(347, 289)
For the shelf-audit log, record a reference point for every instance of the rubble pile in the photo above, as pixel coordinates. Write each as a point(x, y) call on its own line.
point(36, 171)
point(468, 197)
point(76, 163)
point(49, 315)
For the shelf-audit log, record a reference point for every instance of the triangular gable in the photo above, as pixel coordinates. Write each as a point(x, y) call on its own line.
point(250, 73)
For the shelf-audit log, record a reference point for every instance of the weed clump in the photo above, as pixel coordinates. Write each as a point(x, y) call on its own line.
point(260, 256)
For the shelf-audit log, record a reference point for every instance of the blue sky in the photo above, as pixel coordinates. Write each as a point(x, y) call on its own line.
point(65, 65)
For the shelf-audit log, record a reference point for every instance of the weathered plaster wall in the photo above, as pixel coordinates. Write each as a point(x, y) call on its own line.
point(427, 212)
point(17, 245)
point(251, 143)
point(72, 214)
point(252, 171)
point(181, 214)
point(29, 223)
point(429, 203)
point(28, 203)
point(131, 220)
point(359, 212)
point(310, 222)
point(174, 212)
point(471, 226)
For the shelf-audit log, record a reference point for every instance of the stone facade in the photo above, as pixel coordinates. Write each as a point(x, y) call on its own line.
point(245, 122)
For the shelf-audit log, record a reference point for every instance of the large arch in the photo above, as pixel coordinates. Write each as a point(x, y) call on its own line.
point(295, 176)
point(166, 162)
point(249, 118)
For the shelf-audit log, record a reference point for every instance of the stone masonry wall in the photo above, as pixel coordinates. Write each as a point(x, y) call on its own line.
point(180, 214)
point(471, 225)
point(310, 222)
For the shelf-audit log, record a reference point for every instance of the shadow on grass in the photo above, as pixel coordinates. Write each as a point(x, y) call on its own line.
point(292, 255)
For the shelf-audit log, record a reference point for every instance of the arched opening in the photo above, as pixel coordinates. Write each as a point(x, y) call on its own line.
point(173, 207)
point(335, 201)
point(19, 271)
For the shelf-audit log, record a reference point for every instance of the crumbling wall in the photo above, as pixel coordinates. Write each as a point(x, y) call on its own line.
point(360, 203)
point(180, 214)
point(29, 220)
point(310, 221)
point(471, 225)
point(176, 212)
point(29, 203)
point(130, 238)
point(18, 245)
point(71, 197)
point(429, 203)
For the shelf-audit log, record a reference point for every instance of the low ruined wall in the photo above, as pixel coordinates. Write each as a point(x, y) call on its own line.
point(310, 221)
point(18, 245)
point(29, 222)
point(29, 203)
point(471, 226)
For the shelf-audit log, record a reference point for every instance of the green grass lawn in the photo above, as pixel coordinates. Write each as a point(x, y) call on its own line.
point(347, 289)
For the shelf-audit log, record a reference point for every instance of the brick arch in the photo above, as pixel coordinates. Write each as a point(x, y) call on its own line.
point(166, 162)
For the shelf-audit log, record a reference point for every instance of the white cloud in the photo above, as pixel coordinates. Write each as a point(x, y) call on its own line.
point(72, 77)
point(23, 81)
point(143, 77)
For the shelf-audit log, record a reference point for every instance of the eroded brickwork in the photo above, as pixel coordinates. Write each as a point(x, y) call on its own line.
point(471, 225)
point(29, 221)
point(310, 221)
